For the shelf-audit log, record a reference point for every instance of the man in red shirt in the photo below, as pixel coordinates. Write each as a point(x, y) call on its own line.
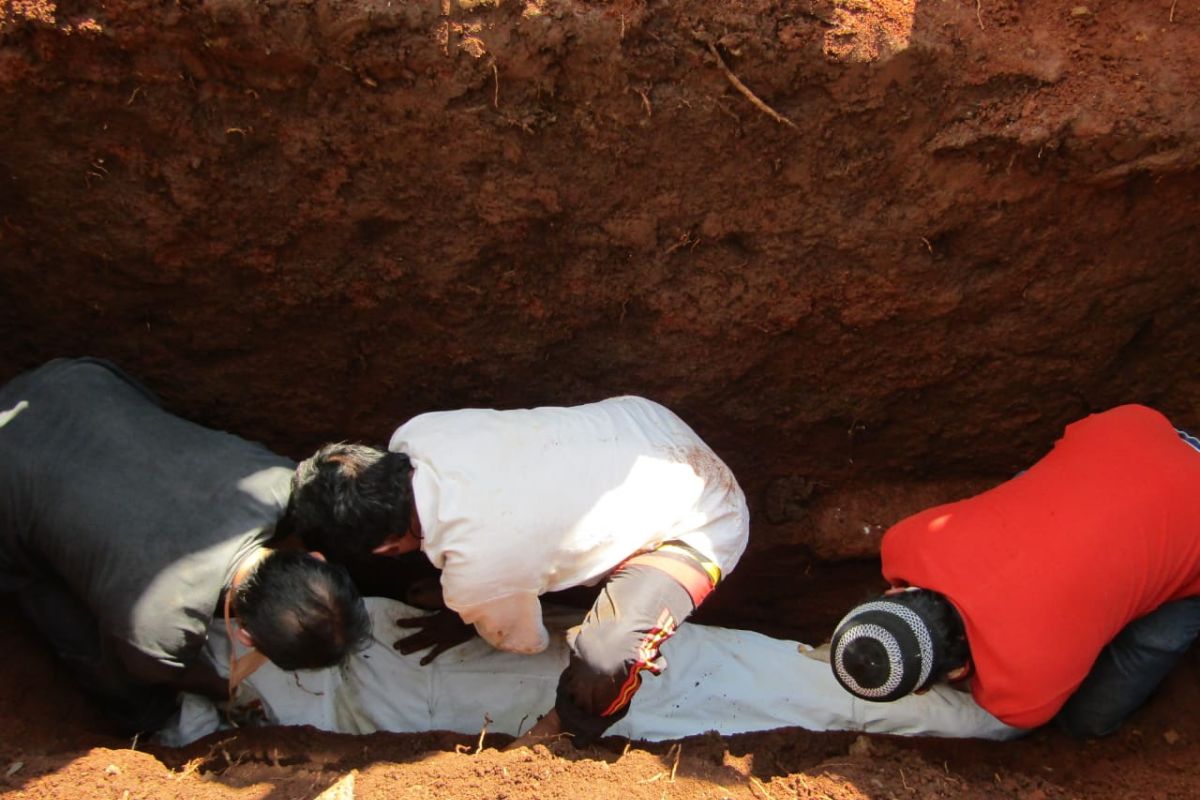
point(1069, 591)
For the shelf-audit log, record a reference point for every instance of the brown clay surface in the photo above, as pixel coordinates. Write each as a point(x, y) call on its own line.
point(303, 220)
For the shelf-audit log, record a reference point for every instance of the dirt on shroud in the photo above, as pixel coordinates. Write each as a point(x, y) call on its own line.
point(64, 752)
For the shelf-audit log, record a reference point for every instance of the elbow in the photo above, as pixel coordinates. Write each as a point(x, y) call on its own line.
point(522, 645)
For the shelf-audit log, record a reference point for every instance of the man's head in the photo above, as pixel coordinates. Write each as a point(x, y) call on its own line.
point(899, 643)
point(301, 612)
point(347, 499)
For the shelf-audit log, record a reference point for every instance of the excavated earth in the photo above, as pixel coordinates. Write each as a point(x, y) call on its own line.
point(876, 252)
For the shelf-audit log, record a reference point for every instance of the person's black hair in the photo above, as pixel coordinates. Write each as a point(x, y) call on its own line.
point(864, 659)
point(348, 498)
point(301, 612)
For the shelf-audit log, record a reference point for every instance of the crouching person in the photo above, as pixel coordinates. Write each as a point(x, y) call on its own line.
point(510, 505)
point(124, 530)
point(1067, 593)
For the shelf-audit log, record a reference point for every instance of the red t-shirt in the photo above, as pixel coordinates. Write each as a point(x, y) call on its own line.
point(1048, 567)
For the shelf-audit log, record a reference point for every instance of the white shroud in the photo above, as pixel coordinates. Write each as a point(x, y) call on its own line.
point(718, 679)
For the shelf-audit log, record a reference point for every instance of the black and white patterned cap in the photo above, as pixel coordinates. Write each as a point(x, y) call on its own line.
point(882, 651)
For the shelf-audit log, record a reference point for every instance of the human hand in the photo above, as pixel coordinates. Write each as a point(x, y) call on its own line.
point(441, 631)
point(818, 653)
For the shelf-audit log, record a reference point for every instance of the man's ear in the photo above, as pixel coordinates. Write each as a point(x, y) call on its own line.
point(397, 545)
point(242, 636)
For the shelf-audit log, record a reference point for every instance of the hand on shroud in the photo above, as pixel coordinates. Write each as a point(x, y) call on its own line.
point(441, 631)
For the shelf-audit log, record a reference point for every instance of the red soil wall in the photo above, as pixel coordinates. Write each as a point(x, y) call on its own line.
point(308, 220)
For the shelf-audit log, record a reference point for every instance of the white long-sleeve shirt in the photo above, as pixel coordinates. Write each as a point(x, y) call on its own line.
point(513, 504)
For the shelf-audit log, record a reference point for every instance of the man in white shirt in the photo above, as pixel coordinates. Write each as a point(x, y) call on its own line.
point(510, 505)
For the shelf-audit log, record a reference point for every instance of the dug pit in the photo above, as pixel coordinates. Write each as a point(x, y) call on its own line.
point(877, 254)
